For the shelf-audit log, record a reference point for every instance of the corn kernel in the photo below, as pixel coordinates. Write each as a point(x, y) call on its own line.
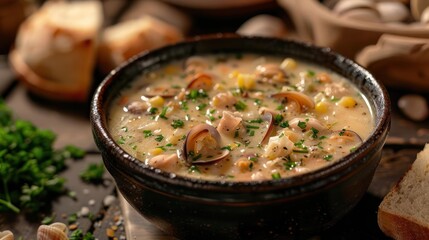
point(321, 107)
point(216, 102)
point(288, 64)
point(245, 81)
point(156, 101)
point(249, 83)
point(155, 151)
point(234, 74)
point(218, 87)
point(347, 102)
point(240, 81)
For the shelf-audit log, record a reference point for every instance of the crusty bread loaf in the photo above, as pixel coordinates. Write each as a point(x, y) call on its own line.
point(404, 211)
point(55, 49)
point(125, 39)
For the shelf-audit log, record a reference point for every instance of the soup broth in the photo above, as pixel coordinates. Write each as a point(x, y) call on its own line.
point(240, 117)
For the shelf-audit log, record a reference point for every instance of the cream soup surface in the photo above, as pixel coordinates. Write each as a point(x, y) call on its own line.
point(239, 117)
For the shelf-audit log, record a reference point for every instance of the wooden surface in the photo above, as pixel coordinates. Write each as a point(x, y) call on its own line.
point(71, 123)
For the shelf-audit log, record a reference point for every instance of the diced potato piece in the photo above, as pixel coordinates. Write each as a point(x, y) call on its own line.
point(347, 102)
point(156, 101)
point(288, 64)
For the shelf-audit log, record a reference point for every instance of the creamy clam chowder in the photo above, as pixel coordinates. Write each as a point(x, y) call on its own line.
point(240, 117)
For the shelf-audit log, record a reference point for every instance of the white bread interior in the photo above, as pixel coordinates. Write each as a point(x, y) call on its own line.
point(57, 46)
point(404, 211)
point(126, 39)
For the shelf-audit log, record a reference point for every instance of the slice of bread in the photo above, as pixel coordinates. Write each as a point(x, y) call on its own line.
point(125, 39)
point(404, 211)
point(55, 49)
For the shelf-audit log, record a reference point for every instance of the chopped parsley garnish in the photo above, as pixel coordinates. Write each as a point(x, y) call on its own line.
point(227, 147)
point(353, 149)
point(328, 157)
point(311, 73)
point(302, 125)
point(258, 102)
point(163, 148)
point(184, 105)
point(159, 138)
point(194, 169)
point(121, 140)
point(284, 124)
point(195, 94)
point(93, 173)
point(163, 113)
point(124, 129)
point(252, 127)
point(341, 133)
point(276, 175)
point(201, 106)
point(277, 119)
point(258, 120)
point(301, 147)
point(147, 133)
point(177, 123)
point(289, 164)
point(251, 133)
point(314, 133)
point(280, 107)
point(334, 99)
point(152, 110)
point(240, 106)
point(322, 137)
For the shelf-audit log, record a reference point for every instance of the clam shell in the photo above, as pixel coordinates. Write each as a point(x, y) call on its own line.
point(392, 11)
point(417, 7)
point(55, 231)
point(6, 235)
point(300, 98)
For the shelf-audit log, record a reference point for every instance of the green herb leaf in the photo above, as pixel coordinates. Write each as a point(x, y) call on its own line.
point(177, 123)
point(302, 125)
point(276, 176)
point(240, 106)
point(159, 138)
point(93, 173)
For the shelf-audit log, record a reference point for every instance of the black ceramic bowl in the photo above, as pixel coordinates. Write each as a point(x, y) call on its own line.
point(295, 207)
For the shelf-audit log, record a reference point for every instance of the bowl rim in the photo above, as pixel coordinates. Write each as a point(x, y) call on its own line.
point(145, 173)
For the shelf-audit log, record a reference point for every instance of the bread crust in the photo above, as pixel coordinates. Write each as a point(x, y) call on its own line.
point(42, 86)
point(401, 228)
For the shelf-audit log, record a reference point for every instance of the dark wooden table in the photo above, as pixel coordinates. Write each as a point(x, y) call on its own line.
point(71, 124)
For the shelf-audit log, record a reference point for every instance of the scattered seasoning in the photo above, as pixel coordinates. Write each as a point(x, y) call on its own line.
point(258, 102)
point(226, 147)
point(177, 123)
point(147, 133)
point(159, 138)
point(153, 110)
point(276, 175)
point(184, 105)
point(240, 106)
point(289, 164)
point(311, 73)
point(194, 169)
point(258, 120)
point(284, 124)
point(314, 133)
point(201, 106)
point(302, 125)
point(328, 157)
point(163, 113)
point(277, 119)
